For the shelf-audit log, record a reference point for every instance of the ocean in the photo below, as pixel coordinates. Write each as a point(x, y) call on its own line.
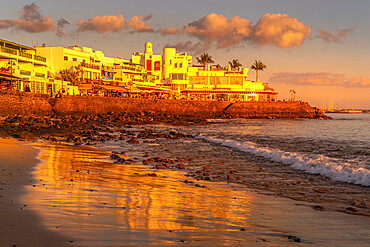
point(338, 149)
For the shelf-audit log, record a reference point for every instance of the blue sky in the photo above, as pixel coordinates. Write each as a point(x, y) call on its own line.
point(321, 66)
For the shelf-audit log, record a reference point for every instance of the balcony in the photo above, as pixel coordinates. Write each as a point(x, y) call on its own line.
point(9, 51)
point(25, 72)
point(41, 75)
point(90, 66)
point(26, 55)
point(40, 58)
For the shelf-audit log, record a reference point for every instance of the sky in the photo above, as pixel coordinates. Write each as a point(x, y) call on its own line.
point(318, 48)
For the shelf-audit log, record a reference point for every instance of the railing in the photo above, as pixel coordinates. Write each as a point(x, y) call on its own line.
point(90, 66)
point(8, 50)
point(39, 58)
point(25, 72)
point(23, 54)
point(40, 75)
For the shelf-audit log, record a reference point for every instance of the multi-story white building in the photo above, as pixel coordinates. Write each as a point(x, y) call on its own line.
point(22, 68)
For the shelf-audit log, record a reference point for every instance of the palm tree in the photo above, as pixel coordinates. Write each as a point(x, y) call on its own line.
point(205, 59)
point(258, 66)
point(235, 64)
point(292, 91)
point(72, 75)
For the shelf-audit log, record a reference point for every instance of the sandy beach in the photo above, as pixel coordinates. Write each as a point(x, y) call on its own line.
point(19, 225)
point(78, 197)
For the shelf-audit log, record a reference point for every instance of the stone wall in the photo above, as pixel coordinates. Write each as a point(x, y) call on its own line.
point(14, 102)
point(22, 103)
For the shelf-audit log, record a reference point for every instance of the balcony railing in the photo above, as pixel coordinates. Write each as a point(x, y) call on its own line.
point(39, 58)
point(40, 75)
point(8, 50)
point(90, 66)
point(23, 54)
point(25, 72)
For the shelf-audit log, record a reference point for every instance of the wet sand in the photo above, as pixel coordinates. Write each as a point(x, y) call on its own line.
point(82, 194)
point(19, 225)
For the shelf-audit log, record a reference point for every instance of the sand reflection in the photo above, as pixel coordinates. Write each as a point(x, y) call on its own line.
point(82, 192)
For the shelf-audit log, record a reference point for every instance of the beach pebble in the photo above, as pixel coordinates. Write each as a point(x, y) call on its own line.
point(294, 238)
point(318, 207)
point(160, 167)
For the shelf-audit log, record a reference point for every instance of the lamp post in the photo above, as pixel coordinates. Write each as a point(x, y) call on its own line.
point(11, 73)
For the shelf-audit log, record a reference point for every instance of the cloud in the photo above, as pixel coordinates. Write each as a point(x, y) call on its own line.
point(147, 17)
point(328, 37)
point(319, 79)
point(138, 25)
point(102, 24)
point(280, 30)
point(219, 29)
point(170, 30)
point(60, 26)
point(188, 46)
point(30, 20)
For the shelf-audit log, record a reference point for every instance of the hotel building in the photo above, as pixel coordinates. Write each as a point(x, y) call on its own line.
point(22, 68)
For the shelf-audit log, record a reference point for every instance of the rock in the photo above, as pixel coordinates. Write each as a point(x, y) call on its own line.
point(180, 166)
point(351, 209)
point(294, 238)
point(160, 167)
point(115, 156)
point(318, 207)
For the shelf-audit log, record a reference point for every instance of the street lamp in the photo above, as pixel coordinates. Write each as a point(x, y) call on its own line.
point(11, 63)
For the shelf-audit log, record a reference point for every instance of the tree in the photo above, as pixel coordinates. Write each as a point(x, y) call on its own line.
point(72, 75)
point(258, 66)
point(235, 64)
point(205, 59)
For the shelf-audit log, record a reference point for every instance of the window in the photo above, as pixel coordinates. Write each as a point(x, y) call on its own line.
point(65, 58)
point(180, 65)
point(149, 65)
point(170, 62)
point(157, 65)
point(74, 59)
point(175, 65)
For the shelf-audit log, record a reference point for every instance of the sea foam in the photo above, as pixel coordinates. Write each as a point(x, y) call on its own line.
point(333, 168)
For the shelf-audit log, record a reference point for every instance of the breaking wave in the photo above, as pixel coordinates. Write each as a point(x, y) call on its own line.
point(336, 169)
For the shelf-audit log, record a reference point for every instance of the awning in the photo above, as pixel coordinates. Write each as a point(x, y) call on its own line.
point(112, 88)
point(85, 86)
point(9, 76)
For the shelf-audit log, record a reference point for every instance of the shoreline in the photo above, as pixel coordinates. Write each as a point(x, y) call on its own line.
point(155, 205)
point(19, 225)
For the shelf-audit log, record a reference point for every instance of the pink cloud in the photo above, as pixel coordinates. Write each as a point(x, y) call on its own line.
point(328, 37)
point(188, 46)
point(170, 30)
point(102, 24)
point(319, 79)
point(137, 24)
point(30, 20)
point(60, 26)
point(219, 29)
point(280, 30)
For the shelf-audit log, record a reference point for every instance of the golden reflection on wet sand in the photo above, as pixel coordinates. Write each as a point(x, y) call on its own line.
point(98, 203)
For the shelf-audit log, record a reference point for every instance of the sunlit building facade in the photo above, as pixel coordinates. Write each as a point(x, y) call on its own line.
point(22, 68)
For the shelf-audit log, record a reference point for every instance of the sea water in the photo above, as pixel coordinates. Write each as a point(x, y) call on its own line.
point(338, 149)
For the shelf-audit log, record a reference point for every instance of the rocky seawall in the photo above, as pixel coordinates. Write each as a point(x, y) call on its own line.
point(21, 103)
